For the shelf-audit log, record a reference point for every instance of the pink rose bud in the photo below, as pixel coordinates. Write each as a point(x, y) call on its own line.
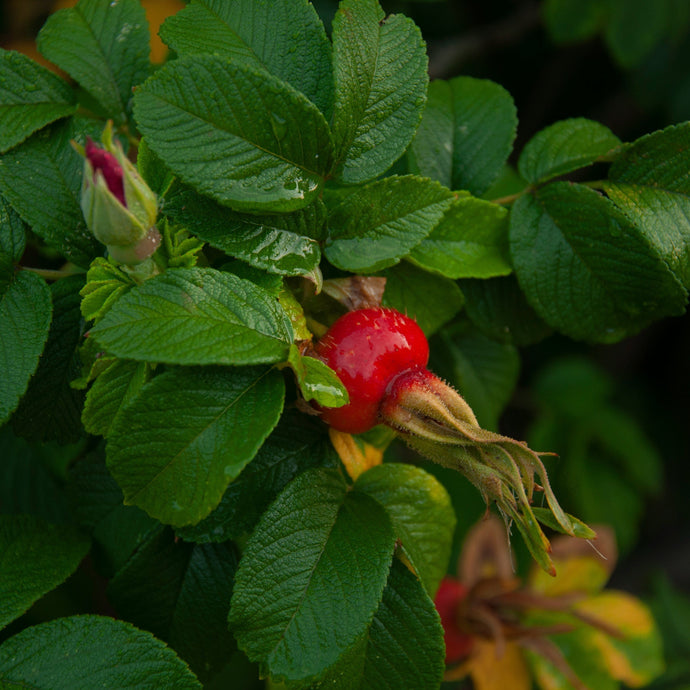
point(119, 207)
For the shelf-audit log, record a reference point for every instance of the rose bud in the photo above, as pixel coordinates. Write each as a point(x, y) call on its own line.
point(119, 207)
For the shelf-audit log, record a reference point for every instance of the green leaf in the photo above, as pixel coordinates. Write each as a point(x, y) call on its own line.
point(498, 308)
point(36, 558)
point(105, 284)
point(429, 299)
point(570, 21)
point(484, 371)
point(303, 592)
point(634, 28)
point(297, 444)
point(563, 147)
point(116, 529)
point(466, 134)
point(651, 185)
point(278, 243)
point(119, 383)
point(178, 473)
point(25, 313)
point(181, 593)
point(45, 167)
point(380, 70)
point(104, 47)
point(284, 37)
point(31, 97)
point(51, 410)
point(12, 231)
point(471, 241)
point(26, 484)
point(375, 226)
point(403, 648)
point(86, 652)
point(585, 269)
point(581, 654)
point(317, 381)
point(234, 133)
point(420, 511)
point(580, 529)
point(196, 316)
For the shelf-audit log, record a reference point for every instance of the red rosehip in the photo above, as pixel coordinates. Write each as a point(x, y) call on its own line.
point(368, 348)
point(451, 593)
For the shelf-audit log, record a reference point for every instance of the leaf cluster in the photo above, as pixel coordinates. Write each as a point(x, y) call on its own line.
point(282, 158)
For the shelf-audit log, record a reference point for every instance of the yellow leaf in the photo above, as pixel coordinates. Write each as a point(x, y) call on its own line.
point(636, 656)
point(356, 455)
point(576, 574)
point(493, 671)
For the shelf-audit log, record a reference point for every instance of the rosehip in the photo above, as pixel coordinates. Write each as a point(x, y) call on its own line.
point(368, 348)
point(451, 593)
point(380, 356)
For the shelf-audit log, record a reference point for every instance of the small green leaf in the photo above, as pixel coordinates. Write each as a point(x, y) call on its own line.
point(563, 147)
point(570, 21)
point(466, 134)
point(234, 133)
point(196, 316)
point(421, 514)
point(113, 55)
point(429, 299)
point(45, 167)
point(484, 371)
point(284, 37)
point(585, 269)
point(580, 529)
point(178, 473)
point(27, 486)
point(380, 69)
point(119, 383)
point(317, 381)
point(105, 284)
point(181, 593)
point(297, 444)
point(634, 28)
point(36, 558)
point(50, 410)
point(375, 226)
point(278, 243)
point(470, 241)
point(498, 308)
point(25, 314)
point(12, 231)
point(86, 652)
point(403, 648)
point(32, 97)
point(303, 592)
point(650, 183)
point(116, 529)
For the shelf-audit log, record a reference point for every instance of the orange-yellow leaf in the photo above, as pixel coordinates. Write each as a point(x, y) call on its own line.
point(636, 657)
point(577, 574)
point(356, 455)
point(491, 671)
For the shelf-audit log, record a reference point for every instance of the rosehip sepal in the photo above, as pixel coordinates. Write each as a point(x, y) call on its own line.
point(380, 356)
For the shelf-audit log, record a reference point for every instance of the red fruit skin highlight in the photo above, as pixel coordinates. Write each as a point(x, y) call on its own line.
point(368, 349)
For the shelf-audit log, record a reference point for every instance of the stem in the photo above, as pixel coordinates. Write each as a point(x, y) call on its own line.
point(510, 198)
point(594, 184)
point(51, 274)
